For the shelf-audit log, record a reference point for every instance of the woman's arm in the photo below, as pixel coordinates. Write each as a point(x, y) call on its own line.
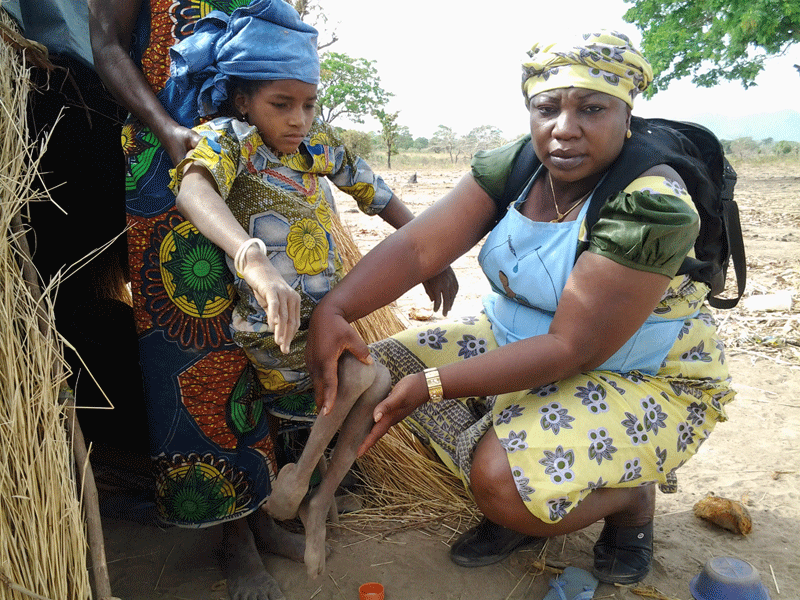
point(419, 250)
point(199, 201)
point(602, 306)
point(111, 24)
point(441, 288)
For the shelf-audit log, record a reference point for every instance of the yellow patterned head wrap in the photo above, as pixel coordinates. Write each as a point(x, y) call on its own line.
point(606, 62)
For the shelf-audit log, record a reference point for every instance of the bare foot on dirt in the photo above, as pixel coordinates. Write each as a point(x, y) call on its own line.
point(247, 579)
point(271, 538)
point(313, 514)
point(287, 493)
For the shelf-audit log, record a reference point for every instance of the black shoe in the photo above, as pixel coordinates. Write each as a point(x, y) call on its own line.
point(623, 554)
point(488, 543)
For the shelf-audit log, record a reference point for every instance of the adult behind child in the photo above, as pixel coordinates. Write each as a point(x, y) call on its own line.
point(208, 433)
point(594, 370)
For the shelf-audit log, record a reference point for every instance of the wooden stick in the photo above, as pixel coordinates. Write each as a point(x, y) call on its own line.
point(90, 502)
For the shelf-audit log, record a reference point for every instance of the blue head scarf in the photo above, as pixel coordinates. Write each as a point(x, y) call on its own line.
point(265, 40)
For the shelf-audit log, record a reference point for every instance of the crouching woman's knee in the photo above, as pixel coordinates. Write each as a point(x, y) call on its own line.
point(491, 481)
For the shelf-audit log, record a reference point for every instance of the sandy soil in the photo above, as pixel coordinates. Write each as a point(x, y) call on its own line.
point(753, 458)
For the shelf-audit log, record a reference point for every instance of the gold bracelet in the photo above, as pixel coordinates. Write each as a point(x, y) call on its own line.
point(434, 381)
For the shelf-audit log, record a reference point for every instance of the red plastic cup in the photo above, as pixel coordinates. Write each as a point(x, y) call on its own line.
point(370, 591)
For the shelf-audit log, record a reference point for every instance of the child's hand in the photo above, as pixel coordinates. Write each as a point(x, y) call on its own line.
point(276, 297)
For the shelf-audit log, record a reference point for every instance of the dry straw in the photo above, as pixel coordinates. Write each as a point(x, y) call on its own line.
point(43, 543)
point(405, 485)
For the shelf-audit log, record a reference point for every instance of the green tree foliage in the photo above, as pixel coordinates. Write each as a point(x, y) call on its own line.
point(405, 141)
point(712, 40)
point(349, 86)
point(484, 137)
point(358, 142)
point(421, 143)
point(390, 133)
point(445, 139)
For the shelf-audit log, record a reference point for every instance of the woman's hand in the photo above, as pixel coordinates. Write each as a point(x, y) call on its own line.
point(177, 140)
point(409, 393)
point(442, 290)
point(330, 336)
point(276, 297)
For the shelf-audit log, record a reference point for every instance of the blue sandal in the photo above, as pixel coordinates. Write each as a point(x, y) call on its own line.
point(572, 584)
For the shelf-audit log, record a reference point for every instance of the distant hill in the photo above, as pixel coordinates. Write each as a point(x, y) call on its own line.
point(782, 125)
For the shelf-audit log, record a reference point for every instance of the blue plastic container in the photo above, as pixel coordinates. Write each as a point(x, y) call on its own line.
point(728, 578)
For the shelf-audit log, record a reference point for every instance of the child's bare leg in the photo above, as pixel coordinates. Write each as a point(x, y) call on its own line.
point(291, 485)
point(354, 429)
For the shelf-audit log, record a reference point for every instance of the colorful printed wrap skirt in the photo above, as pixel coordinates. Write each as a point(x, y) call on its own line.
point(209, 430)
point(597, 429)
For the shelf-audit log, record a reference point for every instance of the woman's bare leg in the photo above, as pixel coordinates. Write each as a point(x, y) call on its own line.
point(291, 485)
point(355, 428)
point(496, 495)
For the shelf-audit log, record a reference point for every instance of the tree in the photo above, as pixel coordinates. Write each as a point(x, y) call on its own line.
point(421, 143)
point(390, 133)
point(405, 141)
point(358, 142)
point(712, 40)
point(311, 12)
point(445, 138)
point(349, 86)
point(484, 137)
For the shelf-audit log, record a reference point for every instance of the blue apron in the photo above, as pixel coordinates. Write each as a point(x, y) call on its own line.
point(528, 264)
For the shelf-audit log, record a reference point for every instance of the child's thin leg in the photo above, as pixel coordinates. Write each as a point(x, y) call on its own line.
point(354, 429)
point(291, 485)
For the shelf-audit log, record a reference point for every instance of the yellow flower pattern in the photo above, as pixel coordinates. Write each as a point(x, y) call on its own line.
point(307, 246)
point(273, 380)
point(323, 213)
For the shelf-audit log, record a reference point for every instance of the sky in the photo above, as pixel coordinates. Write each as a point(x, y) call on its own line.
point(457, 63)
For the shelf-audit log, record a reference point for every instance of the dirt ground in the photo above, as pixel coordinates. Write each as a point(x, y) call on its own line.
point(753, 458)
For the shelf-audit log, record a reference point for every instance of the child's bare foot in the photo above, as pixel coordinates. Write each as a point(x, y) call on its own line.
point(242, 566)
point(287, 493)
point(313, 513)
point(271, 538)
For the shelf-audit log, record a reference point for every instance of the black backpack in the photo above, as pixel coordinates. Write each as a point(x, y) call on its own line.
point(697, 155)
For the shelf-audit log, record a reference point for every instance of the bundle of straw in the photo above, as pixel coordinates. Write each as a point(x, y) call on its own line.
point(402, 480)
point(380, 324)
point(43, 548)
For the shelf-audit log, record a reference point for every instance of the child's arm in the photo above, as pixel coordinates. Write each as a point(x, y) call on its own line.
point(199, 201)
point(441, 288)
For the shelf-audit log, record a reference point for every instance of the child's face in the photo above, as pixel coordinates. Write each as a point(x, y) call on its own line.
point(281, 110)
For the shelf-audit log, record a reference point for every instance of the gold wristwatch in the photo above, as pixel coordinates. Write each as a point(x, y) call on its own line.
point(435, 391)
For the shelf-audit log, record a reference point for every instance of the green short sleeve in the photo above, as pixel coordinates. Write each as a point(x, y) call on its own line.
point(648, 229)
point(491, 168)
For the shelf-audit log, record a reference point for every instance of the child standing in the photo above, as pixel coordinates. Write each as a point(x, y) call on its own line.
point(256, 187)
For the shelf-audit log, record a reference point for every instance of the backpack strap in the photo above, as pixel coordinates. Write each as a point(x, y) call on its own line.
point(733, 229)
point(524, 166)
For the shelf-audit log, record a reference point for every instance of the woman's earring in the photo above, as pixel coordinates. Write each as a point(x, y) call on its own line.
point(628, 134)
point(243, 117)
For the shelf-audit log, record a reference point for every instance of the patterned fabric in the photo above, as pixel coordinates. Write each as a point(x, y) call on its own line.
point(604, 428)
point(222, 47)
point(286, 202)
point(209, 433)
point(606, 62)
point(597, 429)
